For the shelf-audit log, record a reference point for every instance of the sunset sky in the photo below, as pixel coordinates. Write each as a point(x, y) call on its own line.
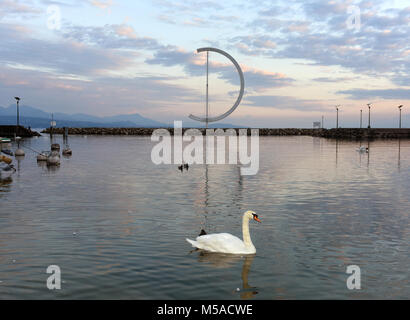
point(300, 59)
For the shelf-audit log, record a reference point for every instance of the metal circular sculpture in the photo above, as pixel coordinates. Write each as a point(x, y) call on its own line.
point(241, 91)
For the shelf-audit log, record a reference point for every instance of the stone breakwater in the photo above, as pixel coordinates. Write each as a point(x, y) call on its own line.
point(149, 131)
point(342, 133)
point(358, 134)
point(10, 131)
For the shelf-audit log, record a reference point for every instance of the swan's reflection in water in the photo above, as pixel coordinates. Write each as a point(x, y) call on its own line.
point(222, 260)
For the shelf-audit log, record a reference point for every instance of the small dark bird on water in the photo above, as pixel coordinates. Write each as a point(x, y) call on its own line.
point(183, 166)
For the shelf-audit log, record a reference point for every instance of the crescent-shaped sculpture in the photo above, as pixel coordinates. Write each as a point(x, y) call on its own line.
point(241, 91)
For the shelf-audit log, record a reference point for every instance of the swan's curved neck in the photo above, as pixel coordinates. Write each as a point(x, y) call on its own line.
point(245, 232)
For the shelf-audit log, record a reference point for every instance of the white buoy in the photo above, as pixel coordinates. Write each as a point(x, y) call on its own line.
point(19, 153)
point(53, 159)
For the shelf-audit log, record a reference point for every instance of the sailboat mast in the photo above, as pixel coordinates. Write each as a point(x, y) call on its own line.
point(207, 71)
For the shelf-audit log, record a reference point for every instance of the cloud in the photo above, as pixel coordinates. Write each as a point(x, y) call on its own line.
point(166, 18)
point(284, 103)
point(67, 57)
point(256, 44)
point(193, 64)
point(17, 9)
point(316, 33)
point(149, 94)
point(188, 6)
point(113, 36)
point(101, 4)
point(224, 18)
point(388, 94)
point(323, 9)
point(195, 22)
point(199, 14)
point(337, 79)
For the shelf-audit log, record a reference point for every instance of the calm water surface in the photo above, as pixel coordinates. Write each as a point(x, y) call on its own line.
point(116, 223)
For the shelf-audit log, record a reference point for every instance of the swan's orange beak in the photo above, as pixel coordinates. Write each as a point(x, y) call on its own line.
point(256, 219)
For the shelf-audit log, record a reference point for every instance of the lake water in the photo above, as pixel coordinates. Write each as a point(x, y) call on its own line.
point(116, 224)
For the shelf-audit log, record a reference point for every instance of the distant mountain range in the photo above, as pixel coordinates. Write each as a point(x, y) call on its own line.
point(36, 118)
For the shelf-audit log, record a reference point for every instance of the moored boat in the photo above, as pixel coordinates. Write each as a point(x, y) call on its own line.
point(5, 145)
point(67, 151)
point(6, 171)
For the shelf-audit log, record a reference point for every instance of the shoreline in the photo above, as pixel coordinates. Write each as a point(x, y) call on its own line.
point(341, 133)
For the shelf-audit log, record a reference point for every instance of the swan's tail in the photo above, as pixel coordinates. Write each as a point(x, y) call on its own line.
point(194, 244)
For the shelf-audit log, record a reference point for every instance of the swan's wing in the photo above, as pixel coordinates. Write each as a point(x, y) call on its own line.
point(220, 242)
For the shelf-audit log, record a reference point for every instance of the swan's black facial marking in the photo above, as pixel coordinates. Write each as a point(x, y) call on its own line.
point(255, 217)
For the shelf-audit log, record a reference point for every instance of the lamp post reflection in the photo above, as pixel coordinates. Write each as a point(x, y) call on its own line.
point(19, 159)
point(368, 153)
point(337, 150)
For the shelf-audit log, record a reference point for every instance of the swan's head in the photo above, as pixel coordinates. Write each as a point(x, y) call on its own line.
point(252, 215)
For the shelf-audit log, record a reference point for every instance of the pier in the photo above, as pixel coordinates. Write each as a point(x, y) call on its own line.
point(340, 133)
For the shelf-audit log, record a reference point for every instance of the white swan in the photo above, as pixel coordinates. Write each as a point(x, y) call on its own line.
point(227, 243)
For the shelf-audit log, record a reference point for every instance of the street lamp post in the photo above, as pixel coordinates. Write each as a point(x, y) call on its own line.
point(369, 105)
point(18, 115)
point(337, 116)
point(19, 152)
point(361, 114)
point(400, 106)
